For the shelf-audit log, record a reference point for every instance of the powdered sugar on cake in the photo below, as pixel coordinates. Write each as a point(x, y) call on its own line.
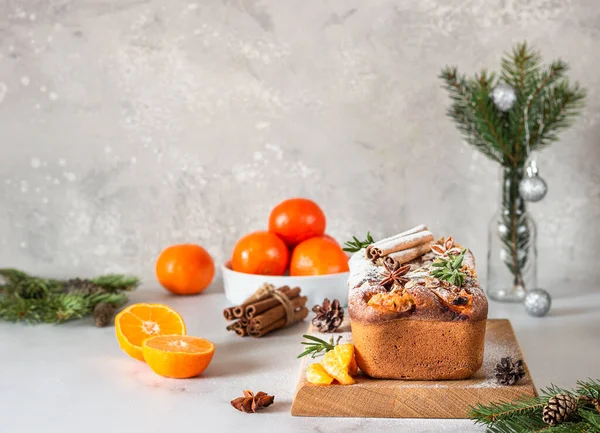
point(433, 299)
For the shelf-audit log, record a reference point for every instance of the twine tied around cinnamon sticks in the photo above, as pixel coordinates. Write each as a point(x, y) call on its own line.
point(268, 309)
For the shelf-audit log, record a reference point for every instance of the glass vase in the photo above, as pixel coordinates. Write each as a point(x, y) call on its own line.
point(512, 253)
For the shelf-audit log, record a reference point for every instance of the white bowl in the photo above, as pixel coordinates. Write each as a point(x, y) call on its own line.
point(240, 286)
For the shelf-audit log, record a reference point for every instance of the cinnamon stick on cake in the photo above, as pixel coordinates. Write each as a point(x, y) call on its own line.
point(401, 248)
point(374, 250)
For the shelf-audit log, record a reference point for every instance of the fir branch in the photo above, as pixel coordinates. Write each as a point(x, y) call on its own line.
point(525, 415)
point(544, 93)
point(519, 66)
point(463, 113)
point(589, 389)
point(37, 300)
point(591, 417)
point(560, 107)
point(356, 244)
point(555, 72)
point(504, 410)
point(489, 122)
point(114, 282)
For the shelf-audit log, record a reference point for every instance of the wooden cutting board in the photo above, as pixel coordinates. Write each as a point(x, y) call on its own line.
point(378, 398)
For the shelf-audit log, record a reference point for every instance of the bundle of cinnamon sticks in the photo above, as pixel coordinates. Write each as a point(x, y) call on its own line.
point(401, 248)
point(268, 309)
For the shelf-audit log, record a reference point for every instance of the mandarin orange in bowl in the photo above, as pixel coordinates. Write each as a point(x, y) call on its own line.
point(260, 253)
point(318, 256)
point(178, 356)
point(185, 269)
point(297, 219)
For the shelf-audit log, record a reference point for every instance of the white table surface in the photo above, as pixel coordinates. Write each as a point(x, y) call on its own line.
point(74, 377)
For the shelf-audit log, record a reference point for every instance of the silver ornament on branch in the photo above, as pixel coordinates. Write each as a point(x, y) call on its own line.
point(504, 96)
point(537, 302)
point(533, 188)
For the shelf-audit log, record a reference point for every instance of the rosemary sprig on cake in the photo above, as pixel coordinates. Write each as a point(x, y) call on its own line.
point(449, 269)
point(316, 346)
point(356, 244)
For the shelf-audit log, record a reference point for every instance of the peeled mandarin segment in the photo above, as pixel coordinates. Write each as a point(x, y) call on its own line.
point(177, 356)
point(334, 368)
point(316, 374)
point(345, 354)
point(353, 368)
point(138, 322)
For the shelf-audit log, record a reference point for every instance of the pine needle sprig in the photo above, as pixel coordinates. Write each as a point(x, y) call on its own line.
point(543, 92)
point(504, 410)
point(464, 111)
point(356, 244)
point(525, 415)
point(317, 346)
point(38, 300)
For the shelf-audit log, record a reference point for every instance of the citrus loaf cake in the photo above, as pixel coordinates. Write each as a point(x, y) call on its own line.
point(416, 308)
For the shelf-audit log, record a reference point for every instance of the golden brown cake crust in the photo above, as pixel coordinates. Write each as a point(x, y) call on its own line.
point(415, 326)
point(413, 350)
point(432, 299)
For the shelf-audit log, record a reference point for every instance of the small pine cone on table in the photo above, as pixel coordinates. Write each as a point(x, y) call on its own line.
point(559, 408)
point(509, 372)
point(329, 316)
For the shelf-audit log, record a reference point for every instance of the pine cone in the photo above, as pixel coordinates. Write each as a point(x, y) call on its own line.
point(509, 372)
point(329, 316)
point(104, 313)
point(559, 408)
point(251, 403)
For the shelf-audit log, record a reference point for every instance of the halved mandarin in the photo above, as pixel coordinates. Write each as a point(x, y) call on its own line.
point(178, 356)
point(138, 322)
point(316, 374)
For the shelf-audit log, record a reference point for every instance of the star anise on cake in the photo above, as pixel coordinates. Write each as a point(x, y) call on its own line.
point(394, 276)
point(445, 248)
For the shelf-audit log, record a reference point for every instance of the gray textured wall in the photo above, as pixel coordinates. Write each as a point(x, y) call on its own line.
point(127, 125)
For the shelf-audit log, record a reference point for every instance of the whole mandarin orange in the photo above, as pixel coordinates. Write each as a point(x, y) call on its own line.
point(261, 253)
point(185, 269)
point(331, 238)
point(297, 219)
point(318, 256)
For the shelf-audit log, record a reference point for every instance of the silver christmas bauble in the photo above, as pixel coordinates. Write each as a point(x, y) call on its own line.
point(537, 302)
point(504, 96)
point(533, 188)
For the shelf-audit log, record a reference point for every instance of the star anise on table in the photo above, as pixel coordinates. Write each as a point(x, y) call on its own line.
point(394, 276)
point(447, 247)
point(252, 403)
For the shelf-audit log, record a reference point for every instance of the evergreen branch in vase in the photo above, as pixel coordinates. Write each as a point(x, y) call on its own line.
point(462, 110)
point(545, 104)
